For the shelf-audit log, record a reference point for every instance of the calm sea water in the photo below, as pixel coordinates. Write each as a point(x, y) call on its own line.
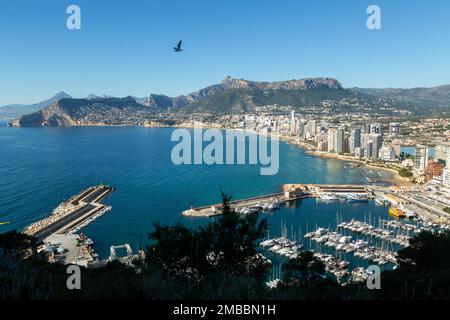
point(41, 167)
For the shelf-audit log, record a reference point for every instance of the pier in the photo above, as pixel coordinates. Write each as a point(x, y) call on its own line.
point(71, 214)
point(57, 232)
point(291, 192)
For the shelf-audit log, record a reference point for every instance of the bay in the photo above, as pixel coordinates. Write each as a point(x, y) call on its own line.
point(41, 167)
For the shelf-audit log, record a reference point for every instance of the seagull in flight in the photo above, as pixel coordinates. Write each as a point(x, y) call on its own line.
point(178, 47)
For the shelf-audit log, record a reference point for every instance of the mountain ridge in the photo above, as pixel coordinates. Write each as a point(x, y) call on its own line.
point(16, 110)
point(438, 96)
point(233, 96)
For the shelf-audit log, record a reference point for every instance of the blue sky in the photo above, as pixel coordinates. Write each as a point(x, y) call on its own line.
point(125, 47)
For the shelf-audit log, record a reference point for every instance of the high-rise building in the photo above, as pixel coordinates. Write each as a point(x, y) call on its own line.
point(366, 128)
point(332, 139)
point(376, 128)
point(377, 142)
point(355, 139)
point(359, 152)
point(301, 130)
point(293, 123)
point(368, 146)
point(311, 128)
point(442, 151)
point(394, 129)
point(421, 158)
point(340, 140)
point(346, 144)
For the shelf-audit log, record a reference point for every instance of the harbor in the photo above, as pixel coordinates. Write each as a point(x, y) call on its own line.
point(371, 224)
point(291, 193)
point(348, 241)
point(58, 231)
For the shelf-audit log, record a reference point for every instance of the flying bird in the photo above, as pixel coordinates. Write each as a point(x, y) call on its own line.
point(178, 47)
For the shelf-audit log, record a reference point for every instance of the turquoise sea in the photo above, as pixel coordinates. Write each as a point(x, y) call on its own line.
point(41, 167)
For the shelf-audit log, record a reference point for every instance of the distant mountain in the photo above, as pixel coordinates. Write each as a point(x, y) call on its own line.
point(72, 112)
point(238, 95)
point(438, 97)
point(17, 110)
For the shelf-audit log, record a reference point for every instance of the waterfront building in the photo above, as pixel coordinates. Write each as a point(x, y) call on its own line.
point(397, 147)
point(332, 139)
point(359, 152)
point(377, 141)
point(433, 169)
point(387, 154)
point(446, 174)
point(293, 124)
point(446, 177)
point(395, 129)
point(368, 147)
point(421, 158)
point(442, 151)
point(301, 132)
point(311, 128)
point(346, 144)
point(322, 145)
point(355, 139)
point(340, 140)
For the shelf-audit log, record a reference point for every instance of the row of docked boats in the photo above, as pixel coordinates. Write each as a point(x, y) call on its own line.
point(333, 265)
point(350, 197)
point(419, 226)
point(272, 205)
point(364, 228)
point(359, 248)
point(283, 247)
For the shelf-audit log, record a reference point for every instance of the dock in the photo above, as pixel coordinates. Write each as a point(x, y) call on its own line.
point(216, 209)
point(291, 192)
point(72, 214)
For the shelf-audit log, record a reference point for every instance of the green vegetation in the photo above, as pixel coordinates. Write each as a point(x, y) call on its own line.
point(405, 172)
point(447, 209)
point(244, 100)
point(218, 261)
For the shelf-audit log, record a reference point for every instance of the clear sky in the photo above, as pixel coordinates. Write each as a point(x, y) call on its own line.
point(125, 47)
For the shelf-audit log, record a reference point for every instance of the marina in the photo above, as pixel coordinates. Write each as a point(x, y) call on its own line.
point(282, 247)
point(372, 236)
point(359, 248)
point(291, 192)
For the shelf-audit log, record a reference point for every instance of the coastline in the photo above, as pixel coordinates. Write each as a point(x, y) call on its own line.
point(310, 149)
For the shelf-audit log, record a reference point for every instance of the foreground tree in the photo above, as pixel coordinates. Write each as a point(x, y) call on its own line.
point(223, 249)
point(424, 270)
